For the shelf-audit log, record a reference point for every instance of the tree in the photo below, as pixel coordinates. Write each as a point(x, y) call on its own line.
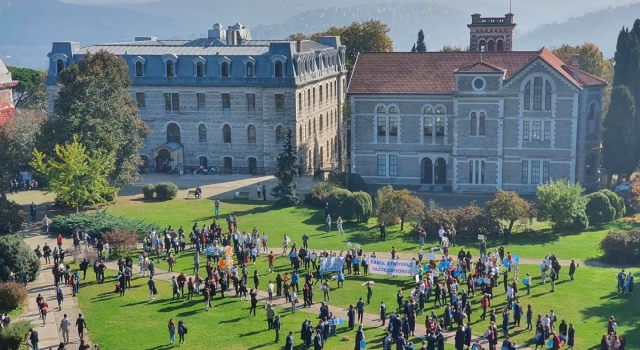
point(366, 36)
point(121, 240)
point(77, 177)
point(30, 92)
point(286, 192)
point(17, 256)
point(420, 45)
point(94, 103)
point(561, 203)
point(401, 204)
point(12, 217)
point(619, 152)
point(509, 206)
point(413, 49)
point(454, 48)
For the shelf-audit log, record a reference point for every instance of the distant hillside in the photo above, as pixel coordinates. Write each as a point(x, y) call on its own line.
point(601, 27)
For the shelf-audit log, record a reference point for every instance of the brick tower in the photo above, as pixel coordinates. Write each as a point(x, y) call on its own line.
point(491, 34)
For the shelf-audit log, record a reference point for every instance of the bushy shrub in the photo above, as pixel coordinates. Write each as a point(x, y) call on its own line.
point(148, 191)
point(98, 224)
point(599, 210)
point(12, 336)
point(363, 206)
point(616, 202)
point(560, 202)
point(12, 217)
point(121, 240)
point(621, 247)
point(581, 222)
point(356, 182)
point(166, 190)
point(12, 295)
point(436, 218)
point(319, 194)
point(336, 197)
point(17, 256)
point(469, 220)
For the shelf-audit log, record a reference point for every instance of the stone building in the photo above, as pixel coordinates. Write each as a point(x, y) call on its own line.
point(7, 109)
point(474, 121)
point(226, 100)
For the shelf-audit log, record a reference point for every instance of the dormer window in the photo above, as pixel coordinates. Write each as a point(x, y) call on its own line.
point(139, 70)
point(170, 69)
point(278, 69)
point(139, 66)
point(199, 66)
point(225, 69)
point(199, 69)
point(170, 65)
point(249, 70)
point(278, 65)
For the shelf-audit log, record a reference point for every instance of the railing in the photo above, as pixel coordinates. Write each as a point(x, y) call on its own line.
point(227, 171)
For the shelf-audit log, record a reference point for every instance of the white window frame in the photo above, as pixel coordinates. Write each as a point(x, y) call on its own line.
point(226, 60)
point(174, 59)
point(246, 61)
point(477, 169)
point(478, 123)
point(545, 164)
point(57, 57)
point(142, 61)
point(528, 123)
point(543, 106)
point(202, 60)
point(387, 164)
point(283, 60)
point(387, 122)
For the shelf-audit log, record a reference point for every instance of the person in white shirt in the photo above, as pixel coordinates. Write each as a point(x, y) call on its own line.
point(258, 191)
point(270, 291)
point(106, 251)
point(441, 232)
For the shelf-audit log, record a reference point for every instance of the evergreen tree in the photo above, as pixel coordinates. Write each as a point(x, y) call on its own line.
point(413, 49)
point(95, 104)
point(420, 45)
point(286, 192)
point(618, 139)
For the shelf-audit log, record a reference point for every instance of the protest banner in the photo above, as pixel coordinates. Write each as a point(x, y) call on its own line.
point(392, 267)
point(334, 263)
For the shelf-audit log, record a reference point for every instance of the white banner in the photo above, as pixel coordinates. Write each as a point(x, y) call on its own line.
point(392, 267)
point(332, 263)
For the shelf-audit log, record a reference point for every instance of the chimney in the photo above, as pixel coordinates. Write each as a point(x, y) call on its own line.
point(575, 64)
point(298, 45)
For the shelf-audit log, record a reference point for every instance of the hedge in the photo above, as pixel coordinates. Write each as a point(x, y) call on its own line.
point(599, 210)
point(17, 256)
point(617, 202)
point(97, 224)
point(319, 194)
point(355, 206)
point(621, 247)
point(12, 217)
point(166, 190)
point(12, 336)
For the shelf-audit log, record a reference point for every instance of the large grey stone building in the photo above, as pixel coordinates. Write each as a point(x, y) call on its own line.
point(226, 100)
point(475, 121)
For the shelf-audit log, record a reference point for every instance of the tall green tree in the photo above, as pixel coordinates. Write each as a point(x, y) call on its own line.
point(30, 92)
point(17, 140)
point(420, 45)
point(619, 150)
point(366, 36)
point(94, 103)
point(286, 192)
point(76, 175)
point(413, 48)
point(510, 207)
point(561, 203)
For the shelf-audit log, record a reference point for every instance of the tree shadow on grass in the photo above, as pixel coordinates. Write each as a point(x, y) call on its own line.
point(622, 307)
point(178, 304)
point(162, 347)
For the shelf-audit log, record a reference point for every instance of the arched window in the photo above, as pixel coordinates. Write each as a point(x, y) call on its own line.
point(173, 133)
point(474, 124)
point(393, 110)
point(278, 69)
point(327, 119)
point(427, 110)
point(224, 69)
point(202, 133)
point(139, 69)
point(200, 69)
point(226, 133)
point(249, 69)
point(59, 66)
point(170, 69)
point(280, 134)
point(591, 124)
point(547, 96)
point(251, 134)
point(381, 109)
point(309, 129)
point(527, 96)
point(500, 45)
point(441, 110)
point(482, 45)
point(321, 123)
point(481, 124)
point(491, 47)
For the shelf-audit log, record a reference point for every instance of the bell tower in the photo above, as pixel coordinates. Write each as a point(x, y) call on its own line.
point(491, 34)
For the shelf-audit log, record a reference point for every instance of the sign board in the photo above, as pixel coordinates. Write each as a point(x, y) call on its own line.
point(480, 237)
point(392, 267)
point(334, 263)
point(349, 244)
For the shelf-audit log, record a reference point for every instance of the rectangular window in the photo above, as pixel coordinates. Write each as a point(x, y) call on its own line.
point(382, 165)
point(172, 102)
point(382, 126)
point(320, 94)
point(142, 101)
point(525, 171)
point(537, 131)
point(226, 103)
point(525, 131)
point(547, 131)
point(201, 103)
point(279, 103)
point(439, 126)
point(299, 101)
point(535, 172)
point(545, 171)
point(428, 127)
point(314, 97)
point(537, 94)
point(393, 126)
point(474, 124)
point(251, 103)
point(393, 165)
point(476, 172)
point(309, 98)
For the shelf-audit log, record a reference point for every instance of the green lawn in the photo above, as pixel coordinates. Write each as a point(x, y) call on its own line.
point(295, 221)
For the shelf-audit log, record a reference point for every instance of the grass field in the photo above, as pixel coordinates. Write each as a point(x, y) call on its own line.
point(295, 221)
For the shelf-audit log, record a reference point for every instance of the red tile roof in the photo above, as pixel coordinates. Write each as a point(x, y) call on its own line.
point(433, 72)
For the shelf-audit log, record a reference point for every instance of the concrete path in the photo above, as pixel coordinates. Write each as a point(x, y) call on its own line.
point(49, 334)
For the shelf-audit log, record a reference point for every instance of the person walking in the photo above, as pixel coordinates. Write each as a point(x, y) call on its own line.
point(172, 331)
point(207, 298)
point(152, 288)
point(44, 309)
point(59, 297)
point(383, 312)
point(182, 331)
point(327, 223)
point(339, 223)
point(264, 192)
point(360, 310)
point(270, 290)
point(276, 326)
point(254, 301)
point(34, 339)
point(271, 313)
point(217, 207)
point(45, 222)
point(65, 324)
point(359, 338)
point(82, 325)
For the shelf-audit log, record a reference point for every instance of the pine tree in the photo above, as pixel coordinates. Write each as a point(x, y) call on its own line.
point(413, 49)
point(618, 139)
point(286, 192)
point(420, 45)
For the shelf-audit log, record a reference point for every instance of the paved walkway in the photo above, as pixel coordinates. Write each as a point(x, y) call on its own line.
point(48, 333)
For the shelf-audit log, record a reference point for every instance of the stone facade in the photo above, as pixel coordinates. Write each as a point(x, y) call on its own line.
point(7, 109)
point(228, 105)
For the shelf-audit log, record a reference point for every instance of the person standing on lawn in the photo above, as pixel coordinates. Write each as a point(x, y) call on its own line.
point(383, 312)
point(254, 301)
point(258, 191)
point(217, 207)
point(182, 330)
point(572, 269)
point(290, 342)
point(172, 331)
point(152, 288)
point(276, 326)
point(359, 338)
point(339, 222)
point(327, 223)
point(360, 309)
